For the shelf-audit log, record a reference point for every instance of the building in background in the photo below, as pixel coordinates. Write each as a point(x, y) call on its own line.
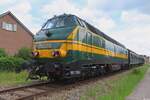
point(13, 34)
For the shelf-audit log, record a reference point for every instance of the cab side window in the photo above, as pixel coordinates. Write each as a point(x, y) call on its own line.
point(103, 43)
point(89, 38)
point(96, 41)
point(82, 23)
point(100, 42)
point(110, 47)
point(82, 35)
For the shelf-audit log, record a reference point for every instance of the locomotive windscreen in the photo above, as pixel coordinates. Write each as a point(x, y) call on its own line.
point(60, 21)
point(56, 28)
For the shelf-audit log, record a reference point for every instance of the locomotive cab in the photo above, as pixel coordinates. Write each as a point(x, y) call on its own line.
point(51, 46)
point(50, 41)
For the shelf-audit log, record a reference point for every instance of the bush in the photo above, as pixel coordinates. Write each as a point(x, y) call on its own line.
point(2, 52)
point(10, 63)
point(24, 53)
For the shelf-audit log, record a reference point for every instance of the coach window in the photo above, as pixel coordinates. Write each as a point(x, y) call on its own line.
point(117, 49)
point(114, 48)
point(111, 46)
point(120, 50)
point(126, 52)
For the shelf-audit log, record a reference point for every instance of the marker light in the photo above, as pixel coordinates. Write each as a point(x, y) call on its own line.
point(35, 53)
point(55, 53)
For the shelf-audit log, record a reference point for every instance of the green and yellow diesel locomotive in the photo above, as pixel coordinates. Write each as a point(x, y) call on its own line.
point(68, 47)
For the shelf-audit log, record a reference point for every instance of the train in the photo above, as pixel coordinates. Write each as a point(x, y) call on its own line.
point(67, 47)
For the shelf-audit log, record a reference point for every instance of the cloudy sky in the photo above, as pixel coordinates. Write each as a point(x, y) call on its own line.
point(127, 21)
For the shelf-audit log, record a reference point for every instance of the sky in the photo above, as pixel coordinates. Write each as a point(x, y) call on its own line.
point(127, 21)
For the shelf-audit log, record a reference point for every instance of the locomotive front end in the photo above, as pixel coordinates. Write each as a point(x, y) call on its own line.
point(50, 49)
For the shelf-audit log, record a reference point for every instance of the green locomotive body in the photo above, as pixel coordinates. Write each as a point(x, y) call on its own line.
point(69, 47)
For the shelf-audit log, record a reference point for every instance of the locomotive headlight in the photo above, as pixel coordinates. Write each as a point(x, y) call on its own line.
point(35, 53)
point(55, 53)
point(60, 53)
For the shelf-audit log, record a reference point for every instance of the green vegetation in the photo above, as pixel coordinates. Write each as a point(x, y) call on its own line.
point(12, 78)
point(2, 52)
point(118, 88)
point(10, 63)
point(24, 53)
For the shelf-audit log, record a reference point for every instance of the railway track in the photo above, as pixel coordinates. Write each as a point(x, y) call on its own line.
point(27, 92)
point(35, 90)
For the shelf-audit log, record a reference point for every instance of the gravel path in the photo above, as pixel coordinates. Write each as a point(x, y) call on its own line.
point(142, 91)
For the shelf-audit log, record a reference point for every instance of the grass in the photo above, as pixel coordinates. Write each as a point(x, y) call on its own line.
point(12, 78)
point(116, 89)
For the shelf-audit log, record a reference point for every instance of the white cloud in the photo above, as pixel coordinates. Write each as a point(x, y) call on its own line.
point(97, 3)
point(134, 16)
point(58, 7)
point(136, 38)
point(106, 24)
point(95, 17)
point(22, 11)
point(22, 7)
point(135, 33)
point(4, 2)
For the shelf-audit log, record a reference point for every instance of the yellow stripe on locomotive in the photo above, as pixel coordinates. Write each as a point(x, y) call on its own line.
point(75, 45)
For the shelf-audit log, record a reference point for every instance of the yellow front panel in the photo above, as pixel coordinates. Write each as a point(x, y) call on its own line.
point(77, 46)
point(45, 53)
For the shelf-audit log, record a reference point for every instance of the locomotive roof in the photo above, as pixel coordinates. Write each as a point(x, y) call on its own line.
point(95, 30)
